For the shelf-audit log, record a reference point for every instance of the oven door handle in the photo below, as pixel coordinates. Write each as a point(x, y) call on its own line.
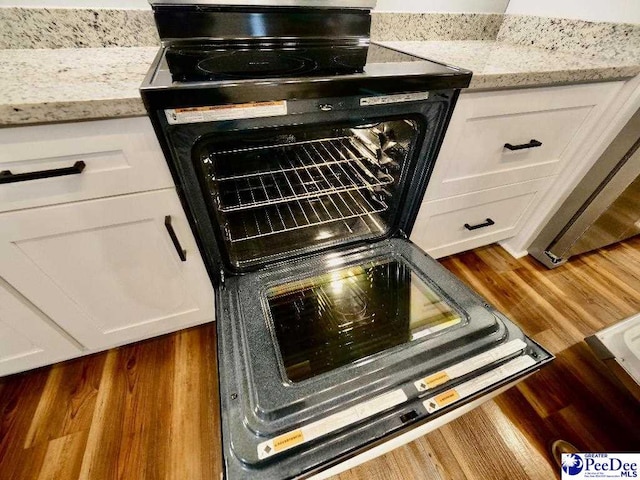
point(174, 238)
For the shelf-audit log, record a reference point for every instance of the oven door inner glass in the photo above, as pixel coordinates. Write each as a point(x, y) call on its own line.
point(278, 191)
point(334, 319)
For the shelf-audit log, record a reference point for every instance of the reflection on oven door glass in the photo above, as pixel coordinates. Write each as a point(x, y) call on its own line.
point(337, 318)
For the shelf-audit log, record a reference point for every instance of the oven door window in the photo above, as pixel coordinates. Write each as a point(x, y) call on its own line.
point(278, 192)
point(334, 319)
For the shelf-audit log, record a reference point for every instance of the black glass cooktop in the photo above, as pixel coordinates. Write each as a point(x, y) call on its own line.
point(228, 61)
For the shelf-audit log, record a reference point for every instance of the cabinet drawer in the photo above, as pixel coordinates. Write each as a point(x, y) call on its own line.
point(540, 125)
point(444, 227)
point(120, 156)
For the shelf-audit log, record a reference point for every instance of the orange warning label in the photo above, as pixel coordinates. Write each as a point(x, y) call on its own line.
point(288, 440)
point(436, 379)
point(447, 397)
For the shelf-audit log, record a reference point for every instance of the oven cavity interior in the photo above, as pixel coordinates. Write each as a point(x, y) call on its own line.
point(278, 191)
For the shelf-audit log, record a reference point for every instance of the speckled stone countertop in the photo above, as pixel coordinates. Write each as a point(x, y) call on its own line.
point(502, 65)
point(67, 84)
point(54, 85)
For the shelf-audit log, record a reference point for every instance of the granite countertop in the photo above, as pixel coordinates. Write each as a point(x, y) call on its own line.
point(497, 64)
point(55, 85)
point(67, 84)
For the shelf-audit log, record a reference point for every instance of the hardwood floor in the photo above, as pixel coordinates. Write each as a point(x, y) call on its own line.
point(144, 411)
point(150, 410)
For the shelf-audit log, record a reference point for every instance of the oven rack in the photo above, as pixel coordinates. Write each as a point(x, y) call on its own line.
point(298, 171)
point(355, 209)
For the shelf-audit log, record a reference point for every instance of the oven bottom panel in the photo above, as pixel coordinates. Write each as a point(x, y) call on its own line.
point(320, 358)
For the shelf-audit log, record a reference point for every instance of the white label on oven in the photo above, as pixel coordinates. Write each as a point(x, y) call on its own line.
point(467, 366)
point(475, 385)
point(400, 97)
point(331, 423)
point(436, 328)
point(218, 113)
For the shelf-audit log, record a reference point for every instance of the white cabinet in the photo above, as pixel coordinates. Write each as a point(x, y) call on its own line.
point(107, 271)
point(120, 156)
point(27, 338)
point(87, 261)
point(502, 151)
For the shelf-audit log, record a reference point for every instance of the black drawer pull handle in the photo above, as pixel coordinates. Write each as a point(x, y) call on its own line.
point(174, 238)
point(7, 177)
point(488, 223)
point(532, 144)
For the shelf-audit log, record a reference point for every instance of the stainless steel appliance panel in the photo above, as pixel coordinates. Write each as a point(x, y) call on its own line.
point(603, 209)
point(621, 220)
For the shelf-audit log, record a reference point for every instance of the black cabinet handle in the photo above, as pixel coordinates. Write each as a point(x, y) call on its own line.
point(488, 223)
point(7, 177)
point(532, 144)
point(174, 238)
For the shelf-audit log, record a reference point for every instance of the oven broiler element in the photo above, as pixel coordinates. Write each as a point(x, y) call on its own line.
point(301, 153)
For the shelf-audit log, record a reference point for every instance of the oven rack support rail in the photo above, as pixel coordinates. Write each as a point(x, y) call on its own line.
point(312, 212)
point(302, 170)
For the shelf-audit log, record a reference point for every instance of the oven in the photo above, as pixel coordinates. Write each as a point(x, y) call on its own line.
point(335, 333)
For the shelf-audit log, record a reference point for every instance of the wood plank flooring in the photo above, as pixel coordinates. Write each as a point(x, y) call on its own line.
point(150, 410)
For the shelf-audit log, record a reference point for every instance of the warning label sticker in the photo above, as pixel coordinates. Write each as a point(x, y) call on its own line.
point(288, 440)
point(331, 423)
point(217, 113)
point(397, 98)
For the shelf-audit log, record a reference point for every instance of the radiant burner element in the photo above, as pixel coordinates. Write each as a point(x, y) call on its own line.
point(254, 64)
point(242, 60)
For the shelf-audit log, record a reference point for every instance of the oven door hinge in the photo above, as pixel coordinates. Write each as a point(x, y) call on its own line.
point(403, 235)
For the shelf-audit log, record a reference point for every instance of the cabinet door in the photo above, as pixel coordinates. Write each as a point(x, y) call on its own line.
point(107, 270)
point(27, 338)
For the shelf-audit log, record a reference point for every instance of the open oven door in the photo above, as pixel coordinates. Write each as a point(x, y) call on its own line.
point(323, 358)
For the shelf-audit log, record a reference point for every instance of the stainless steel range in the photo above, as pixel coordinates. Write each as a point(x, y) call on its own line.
point(301, 152)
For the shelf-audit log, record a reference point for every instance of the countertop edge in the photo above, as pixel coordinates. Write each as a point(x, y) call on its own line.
point(73, 111)
point(501, 81)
